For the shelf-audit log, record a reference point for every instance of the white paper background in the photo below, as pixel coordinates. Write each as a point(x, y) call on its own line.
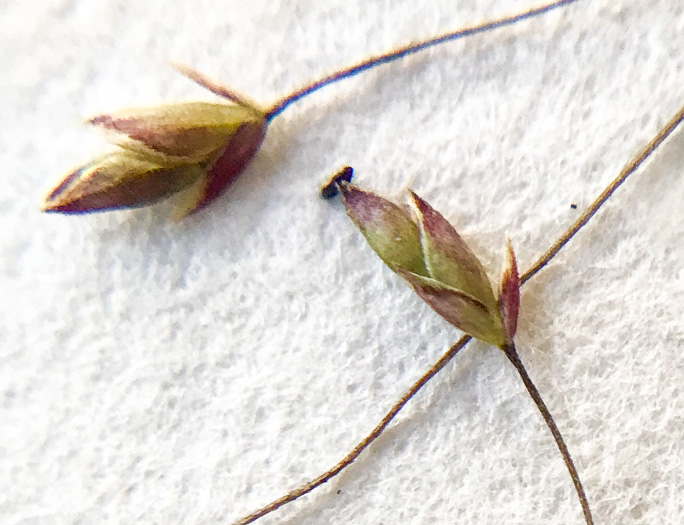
point(164, 373)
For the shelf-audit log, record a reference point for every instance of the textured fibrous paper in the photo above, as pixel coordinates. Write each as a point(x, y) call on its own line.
point(153, 372)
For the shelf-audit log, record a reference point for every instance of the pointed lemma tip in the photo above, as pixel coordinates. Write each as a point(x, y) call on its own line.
point(509, 295)
point(98, 120)
point(59, 206)
point(414, 205)
point(510, 265)
point(54, 201)
point(50, 202)
point(510, 254)
point(416, 200)
point(188, 71)
point(216, 87)
point(191, 73)
point(420, 206)
point(179, 66)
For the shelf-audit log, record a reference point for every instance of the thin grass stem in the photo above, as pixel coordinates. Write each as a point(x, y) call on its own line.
point(409, 49)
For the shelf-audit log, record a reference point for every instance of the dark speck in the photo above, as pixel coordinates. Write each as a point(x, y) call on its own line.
point(331, 189)
point(573, 206)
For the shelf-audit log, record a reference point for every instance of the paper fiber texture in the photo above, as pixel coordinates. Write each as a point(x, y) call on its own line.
point(187, 373)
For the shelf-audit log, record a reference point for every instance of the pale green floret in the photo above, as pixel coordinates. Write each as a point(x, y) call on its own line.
point(400, 249)
point(389, 229)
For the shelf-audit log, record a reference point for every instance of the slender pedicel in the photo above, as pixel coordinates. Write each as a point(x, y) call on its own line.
point(628, 170)
point(410, 49)
point(512, 355)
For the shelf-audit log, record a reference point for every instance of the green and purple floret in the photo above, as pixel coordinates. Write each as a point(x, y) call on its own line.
point(421, 246)
point(199, 147)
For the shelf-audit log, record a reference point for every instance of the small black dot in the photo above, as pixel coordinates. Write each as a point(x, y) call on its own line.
point(573, 206)
point(339, 492)
point(331, 189)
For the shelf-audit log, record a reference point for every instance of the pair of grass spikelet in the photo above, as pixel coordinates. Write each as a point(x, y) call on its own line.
point(197, 149)
point(205, 146)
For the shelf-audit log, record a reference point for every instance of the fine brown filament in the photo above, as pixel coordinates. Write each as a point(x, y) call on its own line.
point(307, 487)
point(409, 49)
point(583, 219)
point(514, 358)
point(363, 444)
